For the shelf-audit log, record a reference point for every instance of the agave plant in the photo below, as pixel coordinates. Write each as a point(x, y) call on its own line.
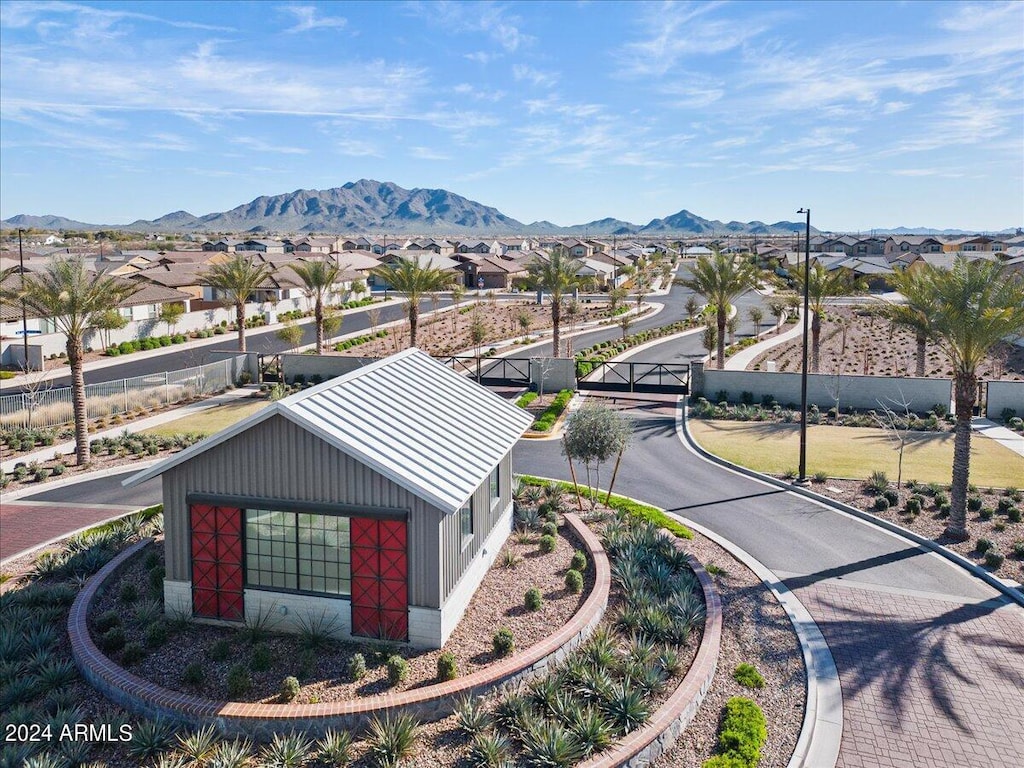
point(687, 611)
point(335, 747)
point(391, 739)
point(230, 754)
point(514, 714)
point(592, 730)
point(549, 745)
point(150, 738)
point(598, 686)
point(289, 750)
point(56, 674)
point(490, 750)
point(197, 745)
point(472, 715)
point(626, 709)
point(544, 691)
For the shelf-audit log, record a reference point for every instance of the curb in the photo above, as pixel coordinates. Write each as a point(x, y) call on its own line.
point(1013, 593)
point(98, 474)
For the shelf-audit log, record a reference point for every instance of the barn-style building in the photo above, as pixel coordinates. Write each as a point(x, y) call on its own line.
point(374, 502)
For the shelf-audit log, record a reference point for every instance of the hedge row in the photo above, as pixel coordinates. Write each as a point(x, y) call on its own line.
point(547, 420)
point(602, 351)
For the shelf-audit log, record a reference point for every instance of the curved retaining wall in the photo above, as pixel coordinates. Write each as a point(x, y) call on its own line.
point(261, 721)
point(642, 747)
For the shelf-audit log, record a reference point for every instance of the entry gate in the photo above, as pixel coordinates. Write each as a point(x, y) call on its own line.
point(496, 372)
point(667, 378)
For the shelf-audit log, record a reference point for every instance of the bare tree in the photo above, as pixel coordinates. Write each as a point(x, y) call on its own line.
point(897, 429)
point(624, 323)
point(373, 317)
point(34, 386)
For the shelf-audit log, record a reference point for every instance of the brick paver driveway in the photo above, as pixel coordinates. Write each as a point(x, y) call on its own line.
point(25, 524)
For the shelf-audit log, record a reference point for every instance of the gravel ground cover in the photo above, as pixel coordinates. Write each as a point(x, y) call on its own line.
point(1002, 528)
point(322, 672)
point(870, 346)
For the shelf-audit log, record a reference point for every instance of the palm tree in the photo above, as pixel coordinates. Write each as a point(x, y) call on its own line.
point(74, 298)
point(720, 278)
point(822, 284)
point(556, 275)
point(972, 306)
point(408, 277)
point(917, 318)
point(318, 278)
point(237, 279)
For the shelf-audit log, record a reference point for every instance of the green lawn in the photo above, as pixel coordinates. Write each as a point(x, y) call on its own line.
point(209, 421)
point(854, 452)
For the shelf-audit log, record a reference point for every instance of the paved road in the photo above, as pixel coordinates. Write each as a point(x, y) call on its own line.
point(257, 340)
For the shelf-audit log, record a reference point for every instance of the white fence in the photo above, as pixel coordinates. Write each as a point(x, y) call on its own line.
point(54, 407)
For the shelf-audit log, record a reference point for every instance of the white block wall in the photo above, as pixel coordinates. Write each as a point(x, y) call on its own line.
point(1005, 394)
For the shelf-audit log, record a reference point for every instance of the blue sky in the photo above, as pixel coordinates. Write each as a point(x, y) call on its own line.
point(873, 114)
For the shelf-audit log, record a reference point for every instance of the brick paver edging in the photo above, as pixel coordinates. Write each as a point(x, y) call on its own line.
point(261, 721)
point(642, 747)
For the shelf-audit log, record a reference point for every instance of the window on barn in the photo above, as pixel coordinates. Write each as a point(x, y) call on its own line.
point(296, 551)
point(495, 488)
point(466, 523)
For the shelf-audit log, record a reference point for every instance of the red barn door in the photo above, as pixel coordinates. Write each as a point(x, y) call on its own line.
point(217, 562)
point(380, 605)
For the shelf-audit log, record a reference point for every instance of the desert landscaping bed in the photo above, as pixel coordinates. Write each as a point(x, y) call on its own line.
point(870, 346)
point(756, 631)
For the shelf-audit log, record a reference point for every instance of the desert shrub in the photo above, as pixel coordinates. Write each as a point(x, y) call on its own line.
point(111, 640)
point(974, 503)
point(877, 483)
point(578, 561)
point(881, 503)
point(983, 545)
point(219, 651)
point(132, 654)
point(391, 739)
point(239, 683)
point(747, 675)
point(156, 634)
point(892, 497)
point(503, 642)
point(742, 734)
point(1004, 504)
point(356, 667)
point(533, 599)
point(398, 669)
point(262, 658)
point(1018, 549)
point(940, 499)
point(194, 675)
point(334, 747)
point(289, 689)
point(547, 544)
point(1013, 514)
point(994, 558)
point(913, 506)
point(574, 581)
point(447, 667)
point(549, 529)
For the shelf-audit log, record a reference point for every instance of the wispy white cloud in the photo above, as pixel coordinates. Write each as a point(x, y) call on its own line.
point(493, 20)
point(261, 145)
point(426, 153)
point(308, 18)
point(541, 79)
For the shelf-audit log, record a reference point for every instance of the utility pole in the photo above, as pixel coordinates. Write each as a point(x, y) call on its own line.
point(24, 309)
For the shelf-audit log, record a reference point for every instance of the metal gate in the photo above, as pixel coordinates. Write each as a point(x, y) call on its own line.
point(270, 369)
point(667, 378)
point(497, 372)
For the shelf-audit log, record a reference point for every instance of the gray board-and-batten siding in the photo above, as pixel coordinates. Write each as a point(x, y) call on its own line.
point(277, 459)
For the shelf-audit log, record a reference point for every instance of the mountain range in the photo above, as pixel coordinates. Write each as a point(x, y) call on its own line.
point(368, 206)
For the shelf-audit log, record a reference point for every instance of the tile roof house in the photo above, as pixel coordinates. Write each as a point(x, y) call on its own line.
point(375, 501)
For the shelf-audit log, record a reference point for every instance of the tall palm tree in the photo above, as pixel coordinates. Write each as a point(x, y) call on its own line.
point(556, 275)
point(318, 277)
point(237, 279)
point(917, 318)
point(822, 285)
point(409, 277)
point(74, 298)
point(973, 306)
point(720, 278)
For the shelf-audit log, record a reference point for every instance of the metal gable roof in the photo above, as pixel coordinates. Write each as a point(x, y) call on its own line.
point(418, 423)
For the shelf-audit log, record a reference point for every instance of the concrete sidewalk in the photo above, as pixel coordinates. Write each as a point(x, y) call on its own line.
point(45, 454)
point(1005, 437)
point(745, 357)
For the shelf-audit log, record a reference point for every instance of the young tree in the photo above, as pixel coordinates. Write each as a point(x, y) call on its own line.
point(557, 276)
point(692, 307)
point(732, 325)
point(170, 314)
point(821, 285)
point(291, 334)
point(615, 297)
point(236, 280)
point(477, 331)
point(107, 321)
point(756, 315)
point(593, 435)
point(779, 309)
point(897, 429)
point(458, 293)
point(408, 277)
point(720, 278)
point(709, 339)
point(333, 320)
point(318, 277)
point(73, 297)
point(975, 304)
point(373, 318)
point(525, 320)
point(624, 323)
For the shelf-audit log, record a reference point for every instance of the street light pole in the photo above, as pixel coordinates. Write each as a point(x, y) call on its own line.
point(802, 477)
point(24, 309)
